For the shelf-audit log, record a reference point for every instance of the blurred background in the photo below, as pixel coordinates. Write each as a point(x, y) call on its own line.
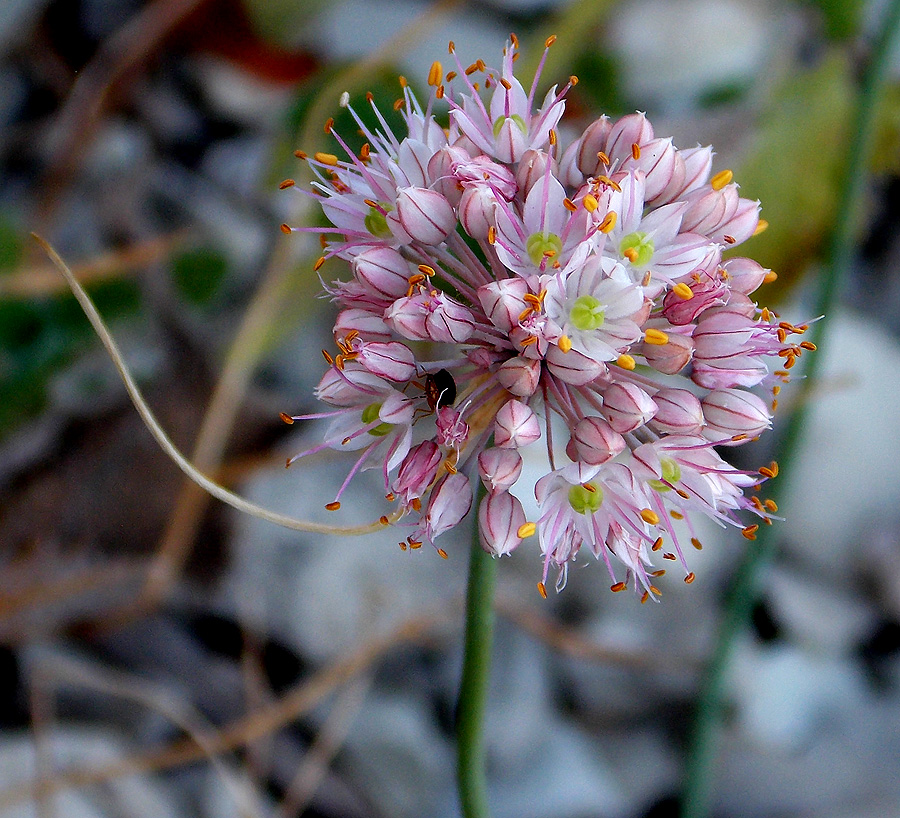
point(162, 656)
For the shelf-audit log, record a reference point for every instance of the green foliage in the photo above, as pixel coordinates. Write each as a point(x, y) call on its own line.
point(794, 166)
point(842, 17)
point(198, 274)
point(10, 246)
point(599, 82)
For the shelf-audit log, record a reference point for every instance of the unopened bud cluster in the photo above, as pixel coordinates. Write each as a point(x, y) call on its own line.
point(506, 287)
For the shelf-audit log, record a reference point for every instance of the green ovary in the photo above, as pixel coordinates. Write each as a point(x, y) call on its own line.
point(498, 124)
point(587, 313)
point(369, 414)
point(671, 473)
point(586, 499)
point(542, 246)
point(637, 248)
point(376, 223)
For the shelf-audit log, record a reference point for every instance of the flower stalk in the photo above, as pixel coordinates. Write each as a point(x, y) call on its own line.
point(697, 797)
point(473, 690)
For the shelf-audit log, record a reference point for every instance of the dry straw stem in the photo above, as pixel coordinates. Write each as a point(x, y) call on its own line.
point(213, 488)
point(294, 704)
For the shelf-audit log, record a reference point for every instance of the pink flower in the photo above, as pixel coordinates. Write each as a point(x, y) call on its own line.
point(505, 288)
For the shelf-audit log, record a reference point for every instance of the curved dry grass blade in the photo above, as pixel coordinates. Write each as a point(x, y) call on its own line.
point(150, 421)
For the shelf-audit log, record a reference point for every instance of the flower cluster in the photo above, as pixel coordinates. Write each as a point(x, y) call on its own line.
point(505, 290)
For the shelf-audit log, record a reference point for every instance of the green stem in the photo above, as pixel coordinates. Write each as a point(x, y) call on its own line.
point(744, 591)
point(470, 749)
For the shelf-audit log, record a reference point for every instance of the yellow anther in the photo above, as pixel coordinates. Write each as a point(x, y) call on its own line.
point(761, 225)
point(696, 543)
point(435, 74)
point(590, 203)
point(383, 519)
point(333, 506)
point(648, 515)
point(286, 229)
point(564, 343)
point(319, 262)
point(526, 530)
point(326, 158)
point(426, 270)
point(689, 578)
point(619, 586)
point(635, 151)
point(631, 254)
point(626, 362)
point(549, 41)
point(442, 554)
point(542, 590)
point(403, 81)
point(609, 221)
point(657, 544)
point(329, 125)
point(749, 532)
point(287, 418)
point(610, 183)
point(551, 136)
point(722, 178)
point(569, 205)
point(286, 184)
point(300, 154)
point(604, 159)
point(451, 47)
point(492, 234)
point(683, 291)
point(656, 337)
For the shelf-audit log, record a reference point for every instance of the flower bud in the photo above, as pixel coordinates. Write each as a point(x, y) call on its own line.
point(592, 141)
point(697, 167)
point(670, 357)
point(369, 326)
point(744, 274)
point(383, 271)
point(440, 171)
point(430, 316)
point(519, 376)
point(452, 430)
point(709, 291)
point(594, 441)
point(500, 516)
point(476, 211)
point(503, 302)
point(531, 169)
point(484, 171)
point(708, 209)
point(627, 406)
point(572, 367)
point(631, 129)
point(569, 174)
point(516, 425)
point(421, 215)
point(740, 225)
point(418, 469)
point(678, 412)
point(731, 412)
point(657, 160)
point(394, 361)
point(449, 502)
point(499, 468)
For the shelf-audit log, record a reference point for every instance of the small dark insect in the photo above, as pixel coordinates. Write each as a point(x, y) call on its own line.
point(440, 388)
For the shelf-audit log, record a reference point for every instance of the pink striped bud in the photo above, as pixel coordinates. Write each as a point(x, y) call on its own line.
point(744, 274)
point(627, 406)
point(569, 174)
point(503, 302)
point(519, 376)
point(449, 502)
point(709, 291)
point(452, 430)
point(383, 271)
point(482, 171)
point(430, 316)
point(678, 412)
point(394, 361)
point(592, 141)
point(500, 516)
point(516, 425)
point(572, 367)
point(631, 129)
point(499, 468)
point(440, 171)
point(657, 160)
point(531, 169)
point(421, 215)
point(740, 225)
point(476, 211)
point(670, 357)
point(367, 324)
point(594, 441)
point(731, 412)
point(417, 471)
point(708, 209)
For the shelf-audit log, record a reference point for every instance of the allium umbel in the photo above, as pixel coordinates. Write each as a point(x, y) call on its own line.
point(507, 288)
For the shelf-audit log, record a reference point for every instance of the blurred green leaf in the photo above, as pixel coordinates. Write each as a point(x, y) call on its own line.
point(198, 273)
point(10, 246)
point(842, 17)
point(794, 166)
